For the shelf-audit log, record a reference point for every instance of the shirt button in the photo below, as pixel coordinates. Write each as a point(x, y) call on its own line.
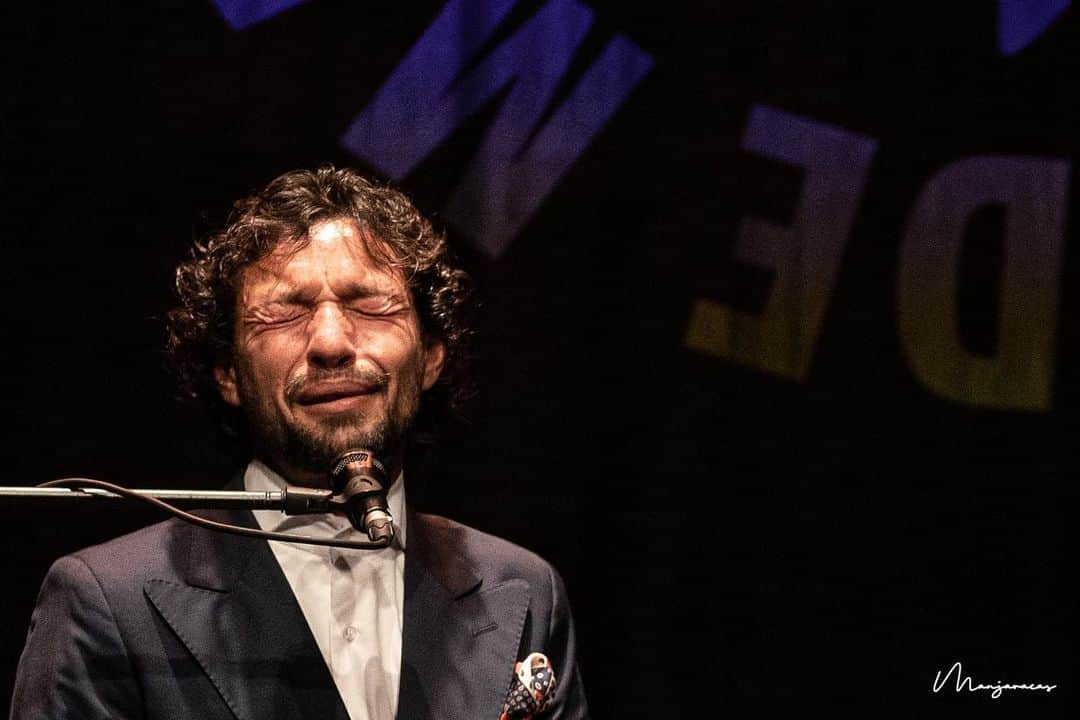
point(351, 633)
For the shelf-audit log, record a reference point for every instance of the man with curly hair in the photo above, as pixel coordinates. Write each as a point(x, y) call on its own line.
point(314, 322)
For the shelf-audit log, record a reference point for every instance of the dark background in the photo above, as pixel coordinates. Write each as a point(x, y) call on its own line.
point(732, 541)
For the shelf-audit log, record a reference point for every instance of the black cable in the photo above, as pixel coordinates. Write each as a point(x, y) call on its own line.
point(79, 483)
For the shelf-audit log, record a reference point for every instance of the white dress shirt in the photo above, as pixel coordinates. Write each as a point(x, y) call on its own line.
point(353, 600)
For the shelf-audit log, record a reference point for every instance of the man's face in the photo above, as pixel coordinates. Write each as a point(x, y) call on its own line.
point(328, 353)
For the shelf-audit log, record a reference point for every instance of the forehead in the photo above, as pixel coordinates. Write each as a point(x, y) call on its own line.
point(332, 252)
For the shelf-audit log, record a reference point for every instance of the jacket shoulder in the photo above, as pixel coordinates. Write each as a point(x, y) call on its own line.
point(492, 556)
point(142, 553)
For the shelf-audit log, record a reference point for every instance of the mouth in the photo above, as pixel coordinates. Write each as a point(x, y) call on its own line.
point(334, 397)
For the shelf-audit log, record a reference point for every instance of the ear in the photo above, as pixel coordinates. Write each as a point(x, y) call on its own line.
point(434, 355)
point(225, 376)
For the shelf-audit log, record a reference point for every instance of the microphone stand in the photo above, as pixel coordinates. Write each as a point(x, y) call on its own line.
point(291, 500)
point(84, 492)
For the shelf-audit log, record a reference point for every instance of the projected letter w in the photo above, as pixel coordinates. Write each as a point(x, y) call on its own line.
point(441, 82)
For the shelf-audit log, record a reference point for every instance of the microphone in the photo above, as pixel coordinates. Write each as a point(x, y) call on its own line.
point(361, 480)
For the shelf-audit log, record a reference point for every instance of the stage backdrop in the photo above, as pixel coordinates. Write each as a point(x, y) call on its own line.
point(777, 341)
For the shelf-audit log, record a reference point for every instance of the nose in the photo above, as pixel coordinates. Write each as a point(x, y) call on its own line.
point(330, 338)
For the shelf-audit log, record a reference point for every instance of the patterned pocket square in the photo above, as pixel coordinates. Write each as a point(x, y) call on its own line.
point(531, 690)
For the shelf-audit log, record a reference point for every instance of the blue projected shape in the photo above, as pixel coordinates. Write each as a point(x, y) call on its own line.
point(518, 162)
point(1021, 22)
point(241, 14)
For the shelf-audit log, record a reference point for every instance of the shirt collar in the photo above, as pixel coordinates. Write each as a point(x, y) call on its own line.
point(259, 477)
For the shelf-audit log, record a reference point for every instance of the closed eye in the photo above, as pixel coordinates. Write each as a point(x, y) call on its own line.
point(377, 305)
point(275, 314)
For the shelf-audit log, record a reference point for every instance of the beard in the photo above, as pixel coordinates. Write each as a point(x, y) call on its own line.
point(314, 446)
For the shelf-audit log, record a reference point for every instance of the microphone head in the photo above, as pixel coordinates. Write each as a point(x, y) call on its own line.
point(353, 463)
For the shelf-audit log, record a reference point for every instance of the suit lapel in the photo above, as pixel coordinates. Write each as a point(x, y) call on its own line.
point(237, 615)
point(460, 637)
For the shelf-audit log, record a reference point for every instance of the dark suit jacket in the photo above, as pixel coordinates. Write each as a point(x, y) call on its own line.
point(175, 621)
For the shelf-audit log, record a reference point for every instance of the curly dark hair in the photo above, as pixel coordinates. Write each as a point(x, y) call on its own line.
point(200, 328)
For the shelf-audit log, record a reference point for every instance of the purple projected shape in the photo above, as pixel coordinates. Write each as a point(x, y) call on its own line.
point(518, 161)
point(240, 14)
point(1021, 22)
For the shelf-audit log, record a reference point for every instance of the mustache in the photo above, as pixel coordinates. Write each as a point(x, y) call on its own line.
point(375, 379)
